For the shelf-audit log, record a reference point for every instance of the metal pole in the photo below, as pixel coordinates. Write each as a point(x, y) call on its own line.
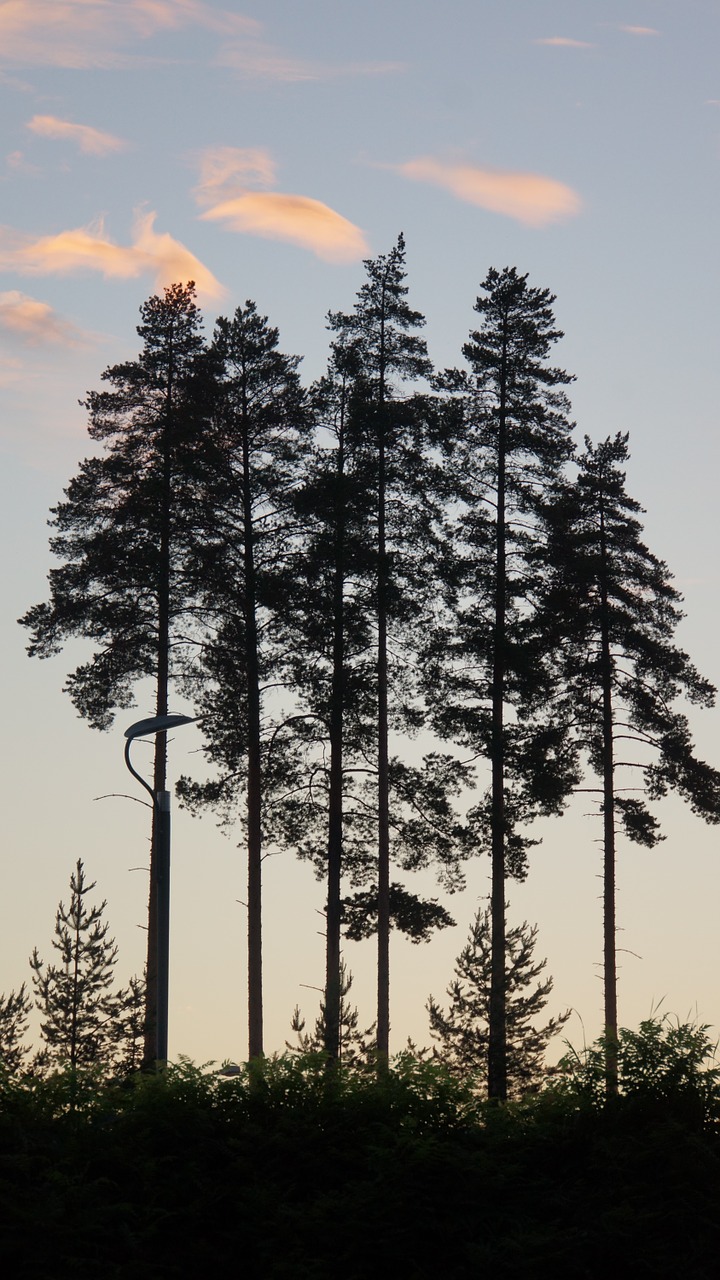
point(162, 818)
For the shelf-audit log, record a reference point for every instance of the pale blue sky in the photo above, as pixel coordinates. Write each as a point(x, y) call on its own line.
point(577, 141)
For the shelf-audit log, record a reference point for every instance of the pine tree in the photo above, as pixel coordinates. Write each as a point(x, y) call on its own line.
point(77, 1005)
point(125, 538)
point(624, 673)
point(355, 1048)
point(489, 669)
point(381, 336)
point(14, 1011)
point(463, 1032)
point(242, 581)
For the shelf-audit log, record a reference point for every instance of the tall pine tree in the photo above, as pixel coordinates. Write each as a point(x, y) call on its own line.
point(392, 431)
point(242, 578)
point(624, 673)
point(125, 540)
point(490, 672)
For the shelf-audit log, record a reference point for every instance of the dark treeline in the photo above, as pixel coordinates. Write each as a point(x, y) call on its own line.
point(327, 572)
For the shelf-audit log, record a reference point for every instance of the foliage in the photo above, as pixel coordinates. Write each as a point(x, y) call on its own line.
point(14, 1010)
point(84, 1022)
point(463, 1032)
point(666, 1067)
point(304, 1174)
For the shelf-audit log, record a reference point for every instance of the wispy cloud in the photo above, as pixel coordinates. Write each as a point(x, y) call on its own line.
point(227, 175)
point(93, 142)
point(81, 34)
point(297, 219)
point(95, 33)
point(36, 322)
point(640, 31)
point(565, 42)
point(530, 198)
point(257, 60)
point(90, 249)
point(226, 172)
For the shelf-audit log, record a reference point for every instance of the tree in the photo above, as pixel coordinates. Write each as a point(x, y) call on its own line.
point(624, 674)
point(125, 539)
point(381, 338)
point(242, 580)
point(75, 998)
point(354, 1047)
point(463, 1032)
point(490, 671)
point(14, 1011)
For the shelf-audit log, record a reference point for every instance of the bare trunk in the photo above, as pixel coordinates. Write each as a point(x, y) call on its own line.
point(497, 1029)
point(254, 781)
point(333, 993)
point(609, 926)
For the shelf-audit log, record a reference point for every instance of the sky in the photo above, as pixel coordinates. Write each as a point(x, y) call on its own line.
point(264, 150)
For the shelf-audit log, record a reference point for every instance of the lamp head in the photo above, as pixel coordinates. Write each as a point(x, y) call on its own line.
point(156, 724)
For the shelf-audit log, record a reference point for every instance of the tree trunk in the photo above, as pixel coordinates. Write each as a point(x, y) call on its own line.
point(254, 781)
point(497, 1029)
point(383, 1012)
point(609, 926)
point(333, 981)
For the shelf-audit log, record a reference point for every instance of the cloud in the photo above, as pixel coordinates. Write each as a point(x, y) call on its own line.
point(564, 42)
point(89, 33)
point(89, 249)
point(528, 197)
point(261, 61)
point(640, 31)
point(297, 219)
point(225, 172)
point(36, 322)
point(92, 141)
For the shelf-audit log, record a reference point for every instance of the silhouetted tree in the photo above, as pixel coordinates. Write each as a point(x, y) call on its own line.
point(490, 673)
point(624, 672)
point(463, 1032)
point(381, 336)
point(124, 537)
point(354, 1047)
point(242, 577)
point(75, 997)
point(14, 1011)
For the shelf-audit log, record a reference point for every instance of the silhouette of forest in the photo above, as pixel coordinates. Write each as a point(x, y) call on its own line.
point(413, 614)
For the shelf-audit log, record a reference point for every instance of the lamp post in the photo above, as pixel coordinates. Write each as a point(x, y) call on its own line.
point(161, 873)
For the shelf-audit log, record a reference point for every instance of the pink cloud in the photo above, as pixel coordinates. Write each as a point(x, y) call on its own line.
point(226, 172)
point(91, 141)
point(530, 198)
point(564, 42)
point(297, 219)
point(89, 249)
point(36, 322)
point(90, 33)
point(640, 31)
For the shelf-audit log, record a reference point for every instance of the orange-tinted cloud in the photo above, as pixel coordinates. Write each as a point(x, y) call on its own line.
point(564, 42)
point(89, 249)
point(226, 172)
point(297, 219)
point(93, 33)
point(528, 197)
point(640, 31)
point(92, 141)
point(36, 322)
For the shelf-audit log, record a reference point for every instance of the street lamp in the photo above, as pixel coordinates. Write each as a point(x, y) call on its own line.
point(161, 873)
